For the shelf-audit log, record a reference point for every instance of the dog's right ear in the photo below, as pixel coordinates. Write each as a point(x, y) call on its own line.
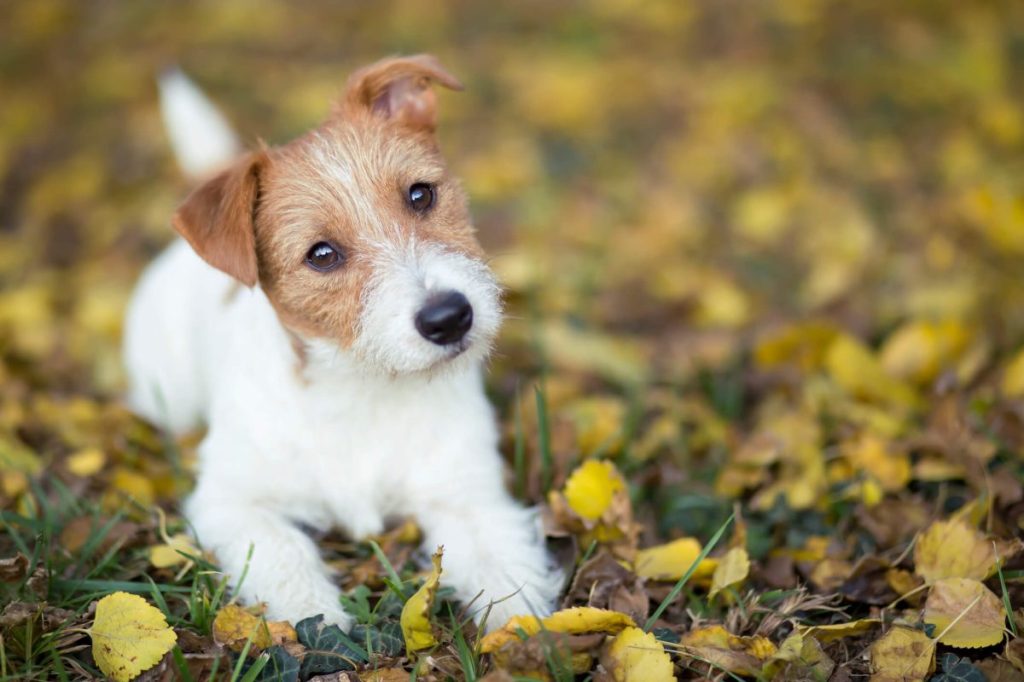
point(217, 219)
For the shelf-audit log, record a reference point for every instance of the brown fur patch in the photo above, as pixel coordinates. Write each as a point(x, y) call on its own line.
point(217, 219)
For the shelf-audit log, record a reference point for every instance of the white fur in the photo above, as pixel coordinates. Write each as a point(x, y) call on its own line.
point(394, 427)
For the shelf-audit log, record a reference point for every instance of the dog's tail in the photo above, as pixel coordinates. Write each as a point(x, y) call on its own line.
point(202, 138)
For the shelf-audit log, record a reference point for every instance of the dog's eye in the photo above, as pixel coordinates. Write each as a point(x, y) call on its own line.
point(323, 257)
point(421, 197)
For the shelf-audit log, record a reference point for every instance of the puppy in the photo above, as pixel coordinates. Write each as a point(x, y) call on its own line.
point(327, 315)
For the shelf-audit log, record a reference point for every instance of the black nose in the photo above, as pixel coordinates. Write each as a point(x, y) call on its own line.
point(445, 318)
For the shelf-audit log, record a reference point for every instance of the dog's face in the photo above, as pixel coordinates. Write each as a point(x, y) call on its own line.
point(356, 232)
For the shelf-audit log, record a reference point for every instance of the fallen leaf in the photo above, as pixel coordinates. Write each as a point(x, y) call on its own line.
point(129, 636)
point(1013, 376)
point(965, 613)
point(830, 633)
point(637, 656)
point(86, 462)
point(855, 368)
point(879, 459)
point(953, 549)
point(725, 651)
point(902, 655)
point(591, 487)
point(799, 658)
point(576, 620)
point(234, 626)
point(670, 561)
point(416, 626)
point(170, 553)
point(732, 569)
point(13, 569)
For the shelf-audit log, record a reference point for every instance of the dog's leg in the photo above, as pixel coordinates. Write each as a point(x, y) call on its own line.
point(493, 545)
point(284, 570)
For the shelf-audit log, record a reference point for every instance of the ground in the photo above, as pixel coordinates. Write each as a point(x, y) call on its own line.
point(762, 371)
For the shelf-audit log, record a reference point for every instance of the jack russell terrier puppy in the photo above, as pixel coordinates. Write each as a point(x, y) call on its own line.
point(327, 316)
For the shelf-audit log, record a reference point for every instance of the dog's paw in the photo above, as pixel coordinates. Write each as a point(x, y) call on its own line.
point(300, 610)
point(537, 595)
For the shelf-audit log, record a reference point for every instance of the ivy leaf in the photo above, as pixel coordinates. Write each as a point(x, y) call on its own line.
point(384, 639)
point(282, 666)
point(329, 649)
point(956, 669)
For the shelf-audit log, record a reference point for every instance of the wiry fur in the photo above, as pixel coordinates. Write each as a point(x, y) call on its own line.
point(325, 407)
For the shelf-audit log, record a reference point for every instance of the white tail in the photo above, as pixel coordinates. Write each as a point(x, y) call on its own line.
point(202, 138)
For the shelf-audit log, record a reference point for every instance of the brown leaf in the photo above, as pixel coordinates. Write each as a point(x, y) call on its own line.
point(14, 568)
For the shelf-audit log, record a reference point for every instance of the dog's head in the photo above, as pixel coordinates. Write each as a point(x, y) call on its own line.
point(356, 231)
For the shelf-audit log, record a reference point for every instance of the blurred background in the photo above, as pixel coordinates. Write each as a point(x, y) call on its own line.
point(673, 193)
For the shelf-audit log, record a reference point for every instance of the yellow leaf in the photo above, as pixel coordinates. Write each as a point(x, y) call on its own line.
point(965, 613)
point(575, 621)
point(638, 656)
point(167, 555)
point(953, 549)
point(720, 303)
point(670, 561)
point(16, 457)
point(134, 485)
point(591, 487)
point(803, 345)
point(732, 569)
point(902, 655)
point(86, 462)
point(129, 636)
point(919, 350)
point(416, 613)
point(853, 366)
point(234, 626)
point(1013, 376)
point(583, 619)
point(877, 457)
point(830, 633)
point(738, 655)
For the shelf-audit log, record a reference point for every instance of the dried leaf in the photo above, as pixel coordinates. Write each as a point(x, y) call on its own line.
point(953, 549)
point(577, 620)
point(234, 626)
point(965, 613)
point(716, 645)
point(416, 625)
point(902, 655)
point(732, 569)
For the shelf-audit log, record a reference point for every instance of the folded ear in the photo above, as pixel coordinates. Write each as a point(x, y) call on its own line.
point(398, 89)
point(217, 219)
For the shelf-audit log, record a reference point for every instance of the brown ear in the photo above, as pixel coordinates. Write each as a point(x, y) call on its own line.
point(217, 219)
point(398, 89)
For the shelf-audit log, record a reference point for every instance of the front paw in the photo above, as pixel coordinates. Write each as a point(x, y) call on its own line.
point(537, 595)
point(299, 609)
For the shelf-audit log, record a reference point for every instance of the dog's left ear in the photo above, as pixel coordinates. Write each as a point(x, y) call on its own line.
point(217, 219)
point(398, 89)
